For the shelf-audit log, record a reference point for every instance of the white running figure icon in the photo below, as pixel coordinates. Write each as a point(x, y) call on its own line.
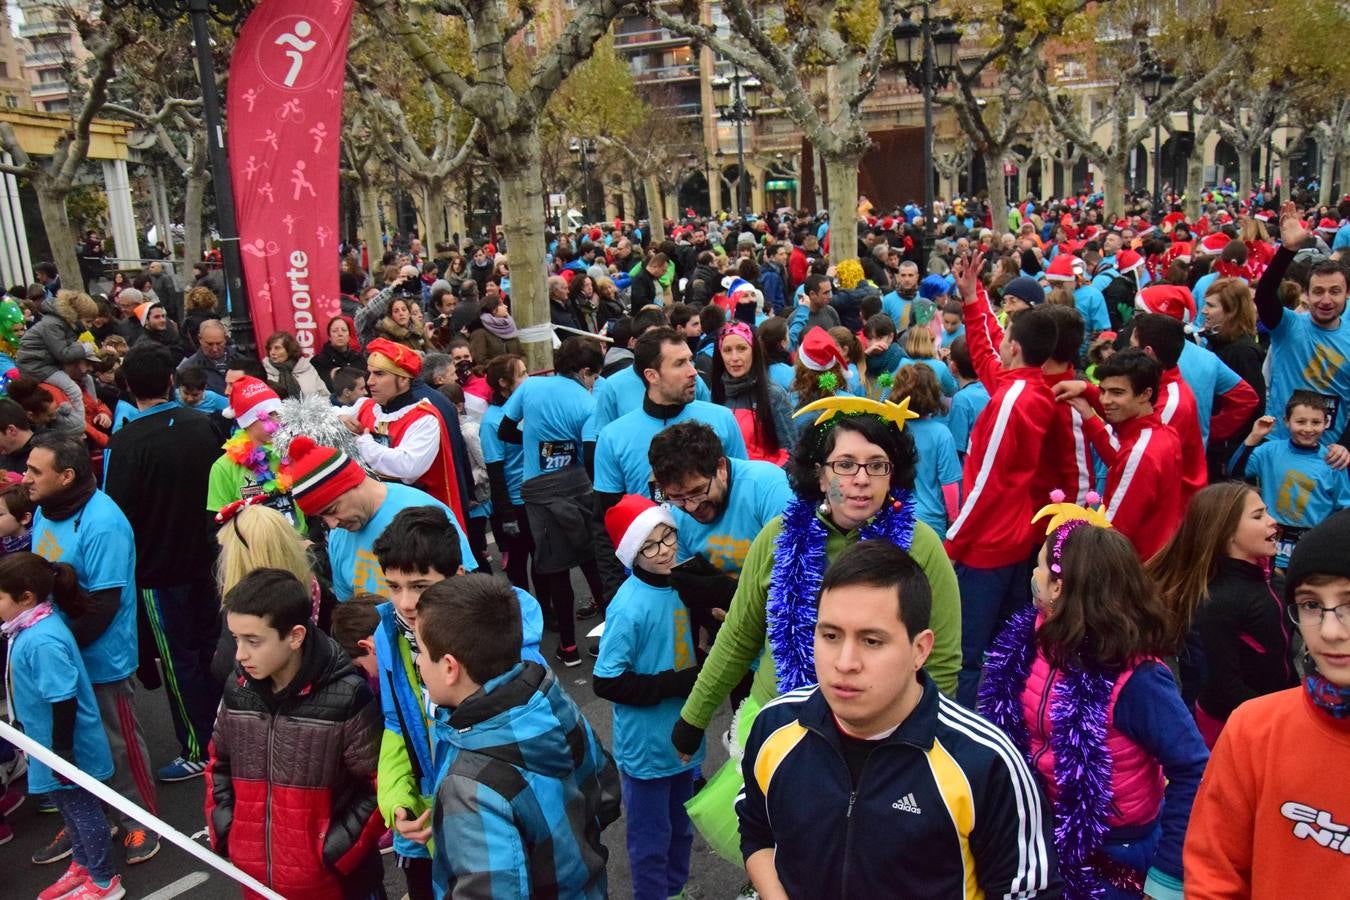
point(300, 47)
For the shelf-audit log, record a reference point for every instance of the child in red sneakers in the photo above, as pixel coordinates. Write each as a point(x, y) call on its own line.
point(53, 698)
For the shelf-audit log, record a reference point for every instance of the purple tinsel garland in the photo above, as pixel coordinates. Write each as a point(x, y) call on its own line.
point(1078, 711)
point(799, 565)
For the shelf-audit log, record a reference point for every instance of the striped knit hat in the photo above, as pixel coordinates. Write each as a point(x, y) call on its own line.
point(319, 475)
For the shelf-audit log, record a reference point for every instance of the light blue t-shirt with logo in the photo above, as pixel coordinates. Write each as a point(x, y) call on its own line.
point(936, 464)
point(621, 463)
point(967, 404)
point(496, 450)
point(758, 492)
point(99, 544)
point(646, 632)
point(352, 553)
point(552, 414)
point(1298, 486)
point(1306, 357)
point(46, 668)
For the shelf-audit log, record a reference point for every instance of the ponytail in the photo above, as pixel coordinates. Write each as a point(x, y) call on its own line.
point(22, 573)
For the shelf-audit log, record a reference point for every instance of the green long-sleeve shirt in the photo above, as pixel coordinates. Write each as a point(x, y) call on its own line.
point(742, 637)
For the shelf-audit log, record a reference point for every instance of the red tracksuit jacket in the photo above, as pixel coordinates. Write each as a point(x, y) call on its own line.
point(1003, 477)
point(1143, 485)
point(1175, 406)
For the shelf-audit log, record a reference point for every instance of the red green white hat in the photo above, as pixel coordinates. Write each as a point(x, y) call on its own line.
point(319, 475)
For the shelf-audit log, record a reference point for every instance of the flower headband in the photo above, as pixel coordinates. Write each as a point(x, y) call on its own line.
point(738, 328)
point(1066, 518)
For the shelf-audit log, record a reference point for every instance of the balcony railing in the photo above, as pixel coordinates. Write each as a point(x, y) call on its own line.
point(41, 27)
point(49, 89)
point(46, 57)
point(667, 73)
point(648, 36)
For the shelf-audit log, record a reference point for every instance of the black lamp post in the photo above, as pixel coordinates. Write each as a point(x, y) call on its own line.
point(737, 100)
point(233, 13)
point(1154, 83)
point(927, 53)
point(584, 151)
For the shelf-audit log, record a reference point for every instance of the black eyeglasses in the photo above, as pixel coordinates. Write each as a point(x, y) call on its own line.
point(847, 467)
point(650, 549)
point(693, 499)
point(1312, 614)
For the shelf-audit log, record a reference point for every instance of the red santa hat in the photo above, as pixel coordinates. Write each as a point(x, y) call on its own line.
point(250, 400)
point(1328, 226)
point(1263, 215)
point(1180, 250)
point(1173, 300)
point(630, 523)
point(1065, 267)
point(1213, 244)
point(1127, 261)
point(819, 352)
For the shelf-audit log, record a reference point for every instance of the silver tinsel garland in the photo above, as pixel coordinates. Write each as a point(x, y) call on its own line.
point(317, 418)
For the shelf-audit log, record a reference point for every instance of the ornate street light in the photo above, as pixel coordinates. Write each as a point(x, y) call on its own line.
point(231, 13)
point(1155, 82)
point(584, 152)
point(737, 100)
point(927, 52)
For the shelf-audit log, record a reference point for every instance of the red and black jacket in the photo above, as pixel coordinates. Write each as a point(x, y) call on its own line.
point(290, 795)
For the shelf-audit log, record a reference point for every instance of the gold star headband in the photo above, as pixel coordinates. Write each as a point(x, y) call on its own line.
point(829, 407)
point(1060, 512)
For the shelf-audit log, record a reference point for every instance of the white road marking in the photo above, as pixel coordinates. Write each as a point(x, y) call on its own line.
point(181, 886)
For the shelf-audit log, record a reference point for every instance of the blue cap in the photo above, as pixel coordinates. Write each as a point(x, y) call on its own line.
point(933, 286)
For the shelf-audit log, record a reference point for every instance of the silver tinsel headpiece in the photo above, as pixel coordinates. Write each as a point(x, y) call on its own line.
point(316, 417)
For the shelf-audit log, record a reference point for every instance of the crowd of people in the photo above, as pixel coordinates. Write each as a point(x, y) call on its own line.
point(1023, 551)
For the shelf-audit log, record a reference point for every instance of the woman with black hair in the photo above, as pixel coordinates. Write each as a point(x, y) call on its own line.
point(740, 383)
point(853, 476)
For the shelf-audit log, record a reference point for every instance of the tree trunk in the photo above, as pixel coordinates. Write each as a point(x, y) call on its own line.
point(521, 186)
point(60, 236)
point(1195, 179)
point(841, 174)
point(656, 219)
point(1113, 188)
point(998, 195)
point(370, 217)
point(1244, 171)
point(432, 200)
point(192, 220)
point(1323, 186)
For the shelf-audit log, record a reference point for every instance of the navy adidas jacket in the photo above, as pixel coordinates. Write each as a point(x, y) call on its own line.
point(945, 807)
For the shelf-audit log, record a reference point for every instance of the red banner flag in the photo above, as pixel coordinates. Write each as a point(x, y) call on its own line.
point(285, 116)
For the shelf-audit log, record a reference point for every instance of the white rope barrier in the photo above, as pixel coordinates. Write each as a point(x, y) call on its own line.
point(117, 801)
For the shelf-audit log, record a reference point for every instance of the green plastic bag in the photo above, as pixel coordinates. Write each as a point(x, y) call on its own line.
point(713, 809)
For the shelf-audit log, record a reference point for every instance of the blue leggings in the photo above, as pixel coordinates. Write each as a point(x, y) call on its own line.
point(88, 829)
point(659, 833)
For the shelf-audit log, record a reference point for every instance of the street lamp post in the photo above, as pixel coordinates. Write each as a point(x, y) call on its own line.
point(927, 53)
point(1155, 82)
point(584, 150)
point(227, 12)
point(737, 100)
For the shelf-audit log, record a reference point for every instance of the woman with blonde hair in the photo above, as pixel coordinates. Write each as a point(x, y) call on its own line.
point(254, 536)
point(921, 350)
point(857, 360)
point(1215, 576)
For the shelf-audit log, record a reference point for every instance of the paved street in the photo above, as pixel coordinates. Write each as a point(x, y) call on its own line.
point(175, 873)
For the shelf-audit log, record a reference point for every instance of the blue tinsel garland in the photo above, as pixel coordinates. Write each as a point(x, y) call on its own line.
point(1078, 711)
point(799, 564)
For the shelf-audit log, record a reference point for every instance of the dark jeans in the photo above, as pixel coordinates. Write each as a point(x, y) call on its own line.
point(417, 872)
point(659, 833)
point(186, 624)
point(476, 532)
point(988, 598)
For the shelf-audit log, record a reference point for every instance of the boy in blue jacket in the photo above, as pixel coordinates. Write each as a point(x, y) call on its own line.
point(419, 548)
point(646, 668)
point(523, 786)
point(1298, 485)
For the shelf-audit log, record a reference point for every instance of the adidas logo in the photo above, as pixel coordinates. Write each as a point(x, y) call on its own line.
point(907, 804)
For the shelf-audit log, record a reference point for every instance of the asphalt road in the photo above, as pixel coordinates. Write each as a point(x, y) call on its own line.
point(173, 872)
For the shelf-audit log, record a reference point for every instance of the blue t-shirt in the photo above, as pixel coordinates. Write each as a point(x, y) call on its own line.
point(45, 667)
point(1091, 304)
point(895, 306)
point(1306, 357)
point(621, 463)
point(211, 403)
point(552, 413)
point(936, 465)
point(496, 450)
point(1298, 486)
point(945, 379)
point(352, 554)
point(758, 492)
point(1208, 377)
point(622, 392)
point(781, 374)
point(646, 631)
point(1198, 294)
point(967, 404)
point(99, 543)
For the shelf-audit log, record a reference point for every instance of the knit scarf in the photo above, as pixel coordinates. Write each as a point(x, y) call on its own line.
point(1077, 738)
point(503, 327)
point(17, 543)
point(1330, 698)
point(26, 619)
point(794, 586)
point(408, 632)
point(70, 501)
